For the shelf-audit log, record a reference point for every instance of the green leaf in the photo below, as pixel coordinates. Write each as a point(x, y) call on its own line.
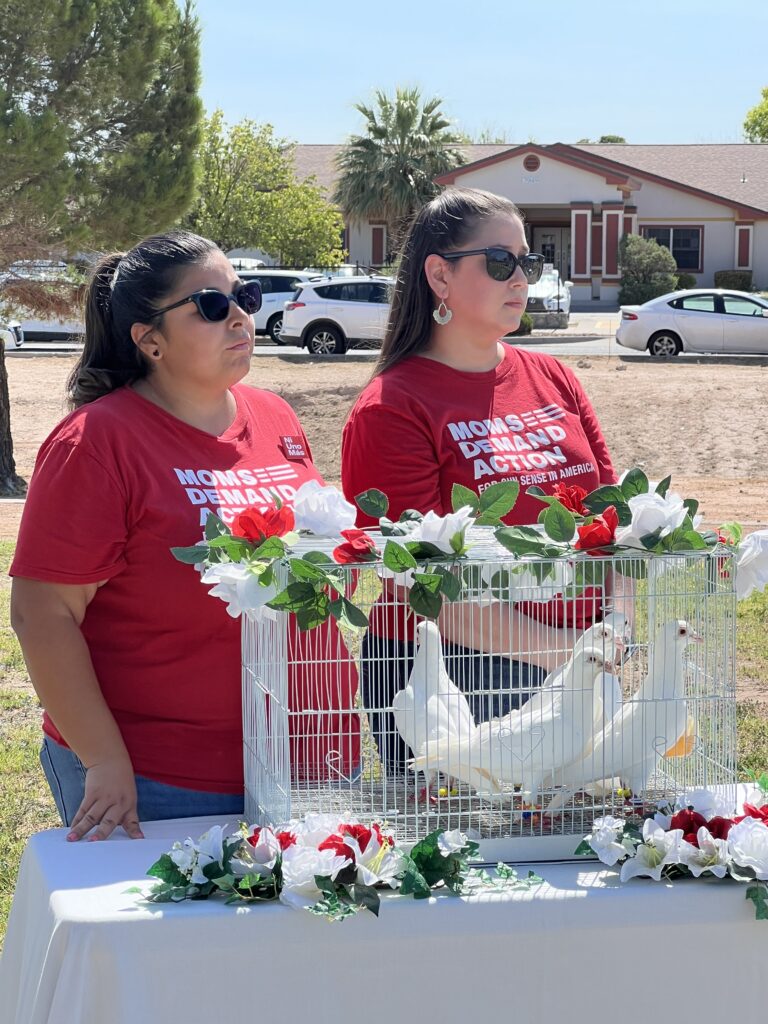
point(584, 849)
point(451, 583)
point(311, 572)
point(318, 558)
point(599, 500)
point(215, 527)
point(536, 492)
point(421, 549)
point(692, 505)
point(192, 555)
point(293, 597)
point(559, 522)
point(313, 613)
point(521, 540)
point(373, 502)
point(166, 871)
point(398, 558)
point(500, 585)
point(497, 501)
point(430, 580)
point(424, 601)
point(365, 896)
point(733, 532)
point(634, 483)
point(461, 496)
point(272, 547)
point(413, 882)
point(663, 486)
point(348, 614)
point(758, 893)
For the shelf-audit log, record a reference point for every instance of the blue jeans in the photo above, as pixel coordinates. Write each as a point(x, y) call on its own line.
point(65, 773)
point(494, 685)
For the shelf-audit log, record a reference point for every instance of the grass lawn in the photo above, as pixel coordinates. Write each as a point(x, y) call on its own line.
point(26, 805)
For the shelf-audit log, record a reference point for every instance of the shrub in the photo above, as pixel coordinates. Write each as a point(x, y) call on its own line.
point(647, 270)
point(741, 280)
point(685, 281)
point(526, 326)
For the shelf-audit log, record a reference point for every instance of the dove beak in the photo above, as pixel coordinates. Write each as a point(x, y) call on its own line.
point(695, 638)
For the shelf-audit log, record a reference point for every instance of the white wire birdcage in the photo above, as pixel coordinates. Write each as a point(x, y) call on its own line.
point(644, 713)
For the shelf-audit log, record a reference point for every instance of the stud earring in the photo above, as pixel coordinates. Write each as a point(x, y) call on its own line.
point(442, 315)
point(156, 353)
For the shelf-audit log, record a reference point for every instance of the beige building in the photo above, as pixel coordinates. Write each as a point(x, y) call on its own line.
point(707, 203)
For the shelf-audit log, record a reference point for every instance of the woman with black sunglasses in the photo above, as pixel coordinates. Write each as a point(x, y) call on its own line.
point(450, 403)
point(138, 670)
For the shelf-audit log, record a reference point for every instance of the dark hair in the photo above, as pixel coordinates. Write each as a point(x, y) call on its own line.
point(124, 289)
point(445, 223)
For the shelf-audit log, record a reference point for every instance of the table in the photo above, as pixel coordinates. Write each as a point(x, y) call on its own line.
point(582, 947)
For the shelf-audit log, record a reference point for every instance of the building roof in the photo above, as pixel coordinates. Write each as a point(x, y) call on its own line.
point(737, 172)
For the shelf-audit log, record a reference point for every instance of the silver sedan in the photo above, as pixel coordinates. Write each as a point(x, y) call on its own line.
point(698, 320)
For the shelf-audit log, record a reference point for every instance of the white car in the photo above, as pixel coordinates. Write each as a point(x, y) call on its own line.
point(697, 320)
point(343, 270)
point(329, 316)
point(277, 286)
point(11, 334)
point(549, 300)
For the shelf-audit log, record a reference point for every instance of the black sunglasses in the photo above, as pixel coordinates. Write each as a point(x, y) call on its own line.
point(501, 263)
point(213, 305)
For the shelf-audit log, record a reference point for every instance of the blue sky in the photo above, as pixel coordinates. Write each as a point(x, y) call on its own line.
point(557, 71)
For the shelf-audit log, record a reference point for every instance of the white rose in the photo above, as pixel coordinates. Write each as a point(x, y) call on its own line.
point(748, 846)
point(321, 510)
point(752, 564)
point(604, 839)
point(451, 842)
point(439, 530)
point(706, 803)
point(651, 512)
point(238, 585)
point(300, 865)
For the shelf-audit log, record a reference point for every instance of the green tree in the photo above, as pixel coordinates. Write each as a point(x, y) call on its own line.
point(756, 121)
point(248, 197)
point(647, 269)
point(99, 123)
point(603, 139)
point(388, 172)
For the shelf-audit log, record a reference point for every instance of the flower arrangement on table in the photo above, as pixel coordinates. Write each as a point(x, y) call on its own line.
point(699, 836)
point(330, 868)
point(424, 553)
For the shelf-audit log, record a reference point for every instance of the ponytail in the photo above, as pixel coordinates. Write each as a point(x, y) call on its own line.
point(125, 289)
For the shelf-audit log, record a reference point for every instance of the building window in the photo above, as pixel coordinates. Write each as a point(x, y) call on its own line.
point(683, 243)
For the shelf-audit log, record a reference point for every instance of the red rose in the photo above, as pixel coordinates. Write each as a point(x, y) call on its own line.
point(256, 526)
point(358, 832)
point(690, 822)
point(285, 839)
point(339, 847)
point(761, 813)
point(719, 827)
point(571, 498)
point(601, 531)
point(358, 547)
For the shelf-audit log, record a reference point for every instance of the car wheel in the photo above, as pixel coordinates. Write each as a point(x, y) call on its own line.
point(664, 345)
point(274, 326)
point(325, 340)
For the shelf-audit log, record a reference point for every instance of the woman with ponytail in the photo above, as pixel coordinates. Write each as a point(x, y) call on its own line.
point(137, 669)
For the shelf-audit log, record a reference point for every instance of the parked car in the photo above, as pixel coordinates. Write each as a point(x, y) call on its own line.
point(11, 333)
point(277, 286)
point(549, 300)
point(329, 316)
point(35, 329)
point(696, 320)
point(343, 270)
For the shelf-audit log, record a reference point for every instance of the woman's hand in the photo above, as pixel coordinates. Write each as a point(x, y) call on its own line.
point(109, 801)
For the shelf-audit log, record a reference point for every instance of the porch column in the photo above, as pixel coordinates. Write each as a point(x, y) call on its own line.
point(613, 220)
point(581, 243)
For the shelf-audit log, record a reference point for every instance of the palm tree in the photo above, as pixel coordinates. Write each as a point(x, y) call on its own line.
point(389, 172)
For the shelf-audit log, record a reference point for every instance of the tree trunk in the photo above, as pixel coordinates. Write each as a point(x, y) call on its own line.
point(11, 484)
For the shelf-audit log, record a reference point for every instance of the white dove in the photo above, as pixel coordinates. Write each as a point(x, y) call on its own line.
point(523, 748)
point(430, 705)
point(645, 727)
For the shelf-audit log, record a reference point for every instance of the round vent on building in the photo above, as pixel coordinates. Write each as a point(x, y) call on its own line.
point(531, 162)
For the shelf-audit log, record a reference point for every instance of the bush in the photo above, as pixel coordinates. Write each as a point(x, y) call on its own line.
point(685, 281)
point(647, 270)
point(741, 280)
point(526, 326)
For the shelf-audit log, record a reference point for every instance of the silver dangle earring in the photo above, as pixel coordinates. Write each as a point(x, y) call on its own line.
point(442, 315)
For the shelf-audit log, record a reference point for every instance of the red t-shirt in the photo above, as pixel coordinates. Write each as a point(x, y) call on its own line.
point(116, 485)
point(421, 427)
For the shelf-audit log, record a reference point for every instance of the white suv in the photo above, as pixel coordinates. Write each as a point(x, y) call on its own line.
point(277, 286)
point(329, 316)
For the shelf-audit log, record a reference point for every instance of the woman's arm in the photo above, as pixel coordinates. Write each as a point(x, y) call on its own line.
point(497, 628)
point(47, 618)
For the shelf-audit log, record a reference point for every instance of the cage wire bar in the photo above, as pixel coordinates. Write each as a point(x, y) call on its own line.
point(526, 771)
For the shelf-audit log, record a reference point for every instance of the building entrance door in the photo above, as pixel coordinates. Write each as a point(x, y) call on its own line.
point(554, 243)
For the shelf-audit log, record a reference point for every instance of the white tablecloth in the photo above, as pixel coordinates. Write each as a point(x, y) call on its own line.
point(80, 950)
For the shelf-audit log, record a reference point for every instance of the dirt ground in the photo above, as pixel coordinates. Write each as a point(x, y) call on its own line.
point(703, 423)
